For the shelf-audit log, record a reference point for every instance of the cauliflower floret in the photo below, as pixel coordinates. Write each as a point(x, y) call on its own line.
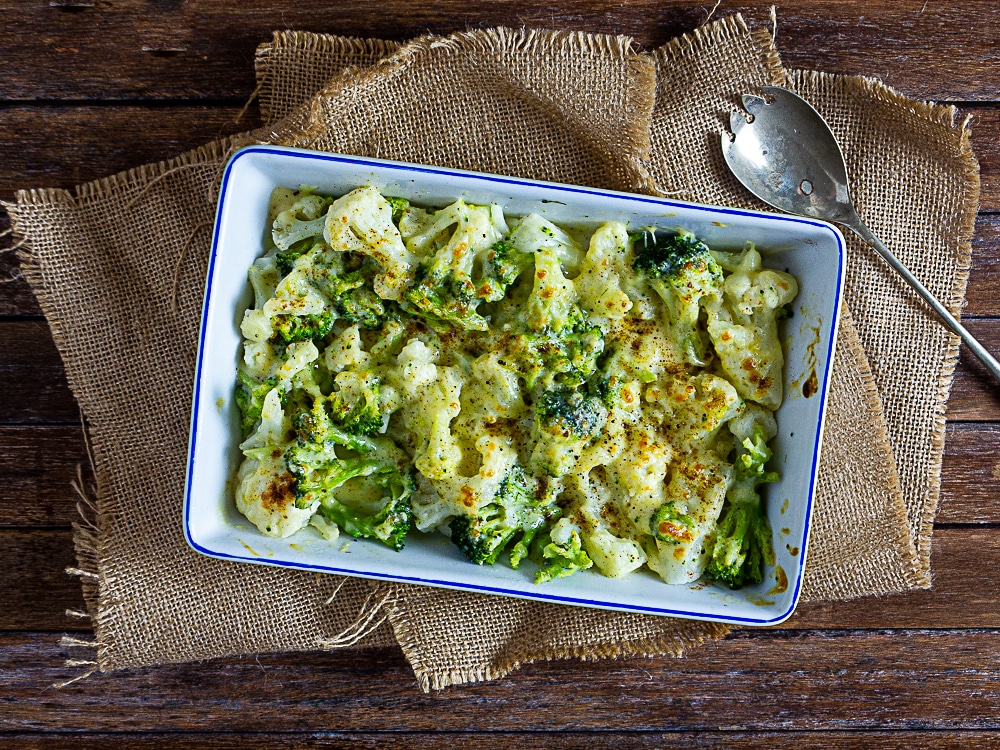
point(692, 409)
point(697, 489)
point(271, 430)
point(266, 496)
point(599, 282)
point(455, 234)
point(535, 234)
point(605, 534)
point(440, 499)
point(260, 359)
point(256, 325)
point(638, 475)
point(553, 298)
point(744, 328)
point(345, 352)
point(264, 277)
point(327, 530)
point(437, 453)
point(298, 356)
point(296, 295)
point(414, 369)
point(492, 393)
point(361, 222)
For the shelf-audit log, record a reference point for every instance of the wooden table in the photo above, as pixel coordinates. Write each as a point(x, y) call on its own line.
point(90, 87)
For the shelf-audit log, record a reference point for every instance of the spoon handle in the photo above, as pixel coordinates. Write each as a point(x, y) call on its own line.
point(862, 230)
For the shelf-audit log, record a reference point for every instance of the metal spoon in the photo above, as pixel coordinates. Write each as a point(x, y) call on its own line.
point(787, 156)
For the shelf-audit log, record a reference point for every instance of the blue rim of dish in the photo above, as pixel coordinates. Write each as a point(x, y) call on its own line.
point(499, 179)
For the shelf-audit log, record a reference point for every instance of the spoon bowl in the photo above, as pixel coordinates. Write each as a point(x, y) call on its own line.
point(785, 153)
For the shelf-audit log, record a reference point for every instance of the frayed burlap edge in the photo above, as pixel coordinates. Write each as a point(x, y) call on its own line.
point(723, 30)
point(945, 116)
point(319, 43)
point(675, 645)
point(635, 142)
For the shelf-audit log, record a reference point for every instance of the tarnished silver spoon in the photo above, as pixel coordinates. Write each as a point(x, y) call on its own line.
point(787, 156)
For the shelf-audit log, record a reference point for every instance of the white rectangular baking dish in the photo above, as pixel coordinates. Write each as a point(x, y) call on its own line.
point(813, 251)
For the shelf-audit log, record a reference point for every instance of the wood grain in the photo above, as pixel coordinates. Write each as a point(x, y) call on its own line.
point(36, 590)
point(982, 294)
point(88, 49)
point(90, 87)
point(32, 378)
point(960, 599)
point(38, 466)
point(560, 740)
point(752, 680)
point(59, 146)
point(970, 475)
point(974, 393)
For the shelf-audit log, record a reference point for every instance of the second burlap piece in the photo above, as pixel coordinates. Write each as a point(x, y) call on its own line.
point(153, 600)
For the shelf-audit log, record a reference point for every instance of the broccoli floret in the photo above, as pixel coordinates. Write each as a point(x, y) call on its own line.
point(512, 514)
point(361, 306)
point(565, 422)
point(304, 219)
point(569, 414)
point(562, 553)
point(399, 206)
point(681, 270)
point(502, 265)
point(302, 327)
point(669, 525)
point(389, 525)
point(250, 399)
point(357, 412)
point(285, 260)
point(319, 471)
point(453, 243)
point(751, 460)
point(743, 537)
point(444, 300)
point(565, 359)
point(344, 417)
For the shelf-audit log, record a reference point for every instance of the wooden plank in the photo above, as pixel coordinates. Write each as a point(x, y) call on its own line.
point(961, 597)
point(38, 466)
point(986, 146)
point(32, 378)
point(63, 146)
point(982, 294)
point(970, 474)
point(974, 393)
point(946, 680)
point(597, 740)
point(78, 49)
point(35, 589)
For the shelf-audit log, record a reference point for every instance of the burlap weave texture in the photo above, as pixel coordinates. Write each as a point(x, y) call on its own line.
point(598, 137)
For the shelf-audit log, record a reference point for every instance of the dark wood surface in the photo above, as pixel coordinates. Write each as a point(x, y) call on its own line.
point(89, 87)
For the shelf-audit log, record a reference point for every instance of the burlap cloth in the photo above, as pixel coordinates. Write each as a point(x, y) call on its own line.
point(118, 266)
